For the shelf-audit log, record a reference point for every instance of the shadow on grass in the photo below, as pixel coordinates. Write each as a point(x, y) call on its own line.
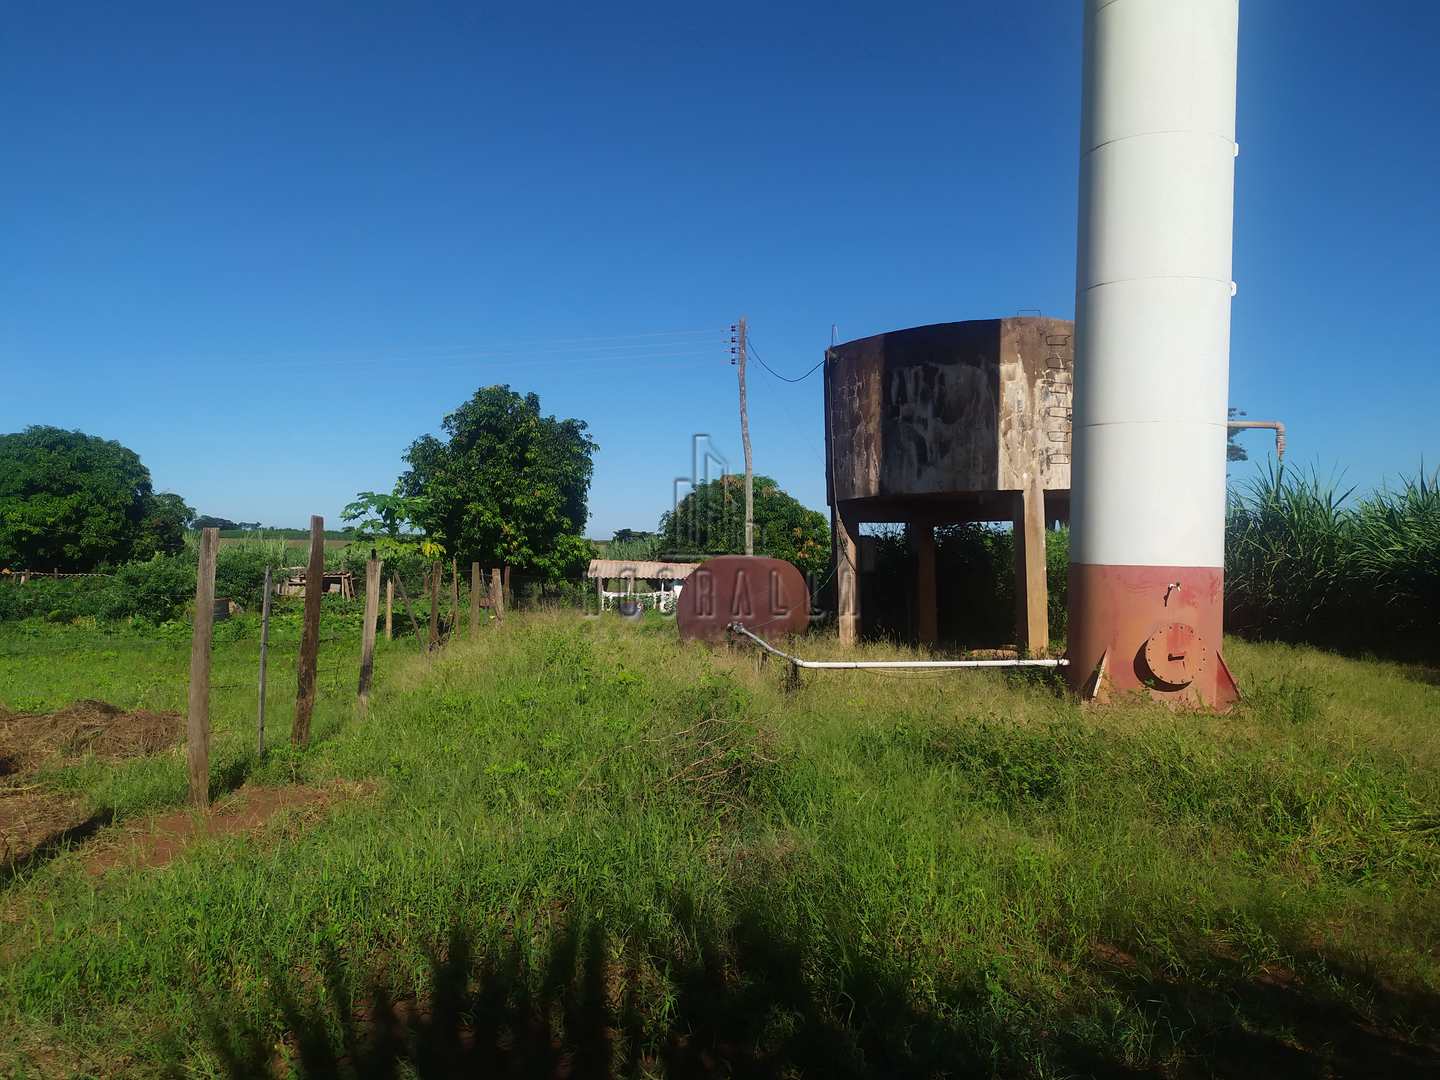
point(53, 845)
point(224, 780)
point(1271, 1023)
point(1422, 673)
point(744, 1010)
point(747, 1008)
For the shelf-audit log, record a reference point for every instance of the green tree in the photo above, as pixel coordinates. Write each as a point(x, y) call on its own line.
point(507, 485)
point(391, 525)
point(711, 521)
point(70, 501)
point(162, 530)
point(1233, 450)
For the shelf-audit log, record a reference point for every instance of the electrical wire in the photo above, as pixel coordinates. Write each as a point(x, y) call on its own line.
point(648, 345)
point(750, 351)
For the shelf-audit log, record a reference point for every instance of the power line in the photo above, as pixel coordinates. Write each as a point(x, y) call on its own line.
point(510, 354)
point(649, 345)
point(784, 378)
point(523, 343)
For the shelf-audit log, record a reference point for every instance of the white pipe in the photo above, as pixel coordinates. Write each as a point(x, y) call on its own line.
point(1270, 425)
point(851, 665)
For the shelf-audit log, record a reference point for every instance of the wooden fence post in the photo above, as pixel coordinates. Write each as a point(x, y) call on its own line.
point(509, 596)
point(435, 572)
point(197, 728)
point(454, 597)
point(497, 594)
point(474, 599)
point(390, 608)
point(367, 634)
point(310, 635)
point(264, 656)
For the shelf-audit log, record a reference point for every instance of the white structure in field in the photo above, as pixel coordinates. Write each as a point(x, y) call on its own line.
point(1152, 349)
point(667, 577)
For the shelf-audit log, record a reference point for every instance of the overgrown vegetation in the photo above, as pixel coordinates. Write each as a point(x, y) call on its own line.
point(162, 589)
point(586, 847)
point(71, 501)
point(1306, 563)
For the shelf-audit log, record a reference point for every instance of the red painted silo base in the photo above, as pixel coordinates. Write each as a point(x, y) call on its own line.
point(1152, 629)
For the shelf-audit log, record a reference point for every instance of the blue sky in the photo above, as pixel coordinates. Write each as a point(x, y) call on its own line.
point(268, 245)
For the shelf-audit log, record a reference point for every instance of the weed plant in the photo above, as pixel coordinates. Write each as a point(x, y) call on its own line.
point(1305, 563)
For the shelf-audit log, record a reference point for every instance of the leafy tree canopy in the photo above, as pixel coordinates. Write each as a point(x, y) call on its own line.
point(711, 521)
point(162, 530)
point(507, 485)
point(1233, 450)
point(390, 524)
point(71, 501)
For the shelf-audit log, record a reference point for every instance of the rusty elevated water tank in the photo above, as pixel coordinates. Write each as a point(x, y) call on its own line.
point(955, 422)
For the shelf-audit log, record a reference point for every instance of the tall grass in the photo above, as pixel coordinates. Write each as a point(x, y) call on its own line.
point(1395, 556)
point(1305, 563)
point(865, 876)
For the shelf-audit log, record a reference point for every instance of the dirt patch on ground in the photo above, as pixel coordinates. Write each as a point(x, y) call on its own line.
point(27, 740)
point(36, 822)
point(154, 842)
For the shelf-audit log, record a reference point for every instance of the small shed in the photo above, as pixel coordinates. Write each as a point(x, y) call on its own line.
point(292, 583)
point(665, 580)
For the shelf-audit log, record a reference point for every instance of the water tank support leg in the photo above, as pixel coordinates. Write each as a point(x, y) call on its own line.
point(847, 577)
point(1032, 602)
point(926, 615)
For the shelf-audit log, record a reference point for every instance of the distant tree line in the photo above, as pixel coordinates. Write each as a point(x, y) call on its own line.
point(205, 521)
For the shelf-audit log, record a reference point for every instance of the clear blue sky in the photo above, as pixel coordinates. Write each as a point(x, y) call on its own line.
point(212, 216)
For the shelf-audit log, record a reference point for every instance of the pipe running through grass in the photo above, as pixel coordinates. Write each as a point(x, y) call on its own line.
point(736, 628)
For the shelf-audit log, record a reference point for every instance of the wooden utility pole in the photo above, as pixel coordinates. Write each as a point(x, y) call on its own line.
point(367, 633)
point(310, 634)
point(197, 729)
point(745, 440)
point(435, 572)
point(264, 657)
point(474, 599)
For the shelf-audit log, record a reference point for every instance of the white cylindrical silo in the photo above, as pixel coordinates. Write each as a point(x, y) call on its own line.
point(1152, 350)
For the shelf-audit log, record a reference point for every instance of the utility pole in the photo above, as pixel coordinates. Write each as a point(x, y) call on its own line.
point(738, 351)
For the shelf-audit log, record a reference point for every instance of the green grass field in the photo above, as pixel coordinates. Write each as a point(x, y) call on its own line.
point(575, 847)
